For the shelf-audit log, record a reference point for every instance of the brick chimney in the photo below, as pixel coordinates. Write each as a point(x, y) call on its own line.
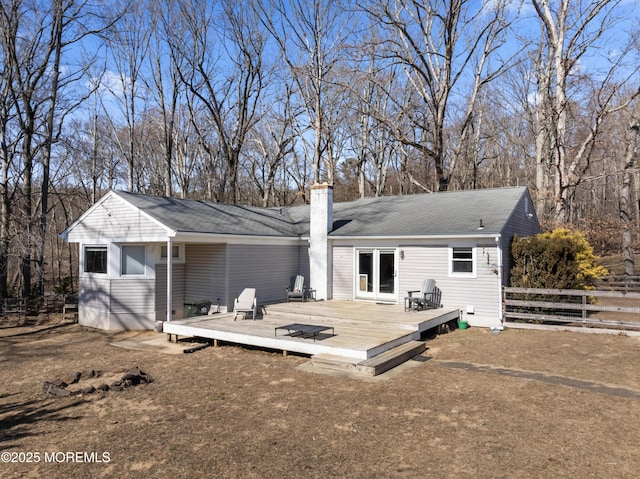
point(320, 259)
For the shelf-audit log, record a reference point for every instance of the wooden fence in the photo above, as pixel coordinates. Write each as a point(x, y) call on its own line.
point(17, 311)
point(611, 309)
point(626, 284)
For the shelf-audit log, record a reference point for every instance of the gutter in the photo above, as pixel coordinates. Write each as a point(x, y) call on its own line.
point(500, 276)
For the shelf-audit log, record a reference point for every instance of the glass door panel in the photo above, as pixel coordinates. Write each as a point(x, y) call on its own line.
point(386, 272)
point(365, 274)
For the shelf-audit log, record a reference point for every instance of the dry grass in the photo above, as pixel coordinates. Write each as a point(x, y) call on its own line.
point(516, 404)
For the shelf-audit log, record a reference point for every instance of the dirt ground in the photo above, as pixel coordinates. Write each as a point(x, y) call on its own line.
point(474, 405)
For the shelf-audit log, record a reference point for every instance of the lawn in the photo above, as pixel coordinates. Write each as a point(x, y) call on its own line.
point(475, 404)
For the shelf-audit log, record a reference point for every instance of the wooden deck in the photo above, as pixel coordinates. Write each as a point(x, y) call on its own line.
point(363, 331)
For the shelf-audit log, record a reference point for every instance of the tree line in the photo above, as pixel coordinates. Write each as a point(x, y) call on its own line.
point(251, 101)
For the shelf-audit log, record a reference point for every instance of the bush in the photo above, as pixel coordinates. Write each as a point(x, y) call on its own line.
point(561, 259)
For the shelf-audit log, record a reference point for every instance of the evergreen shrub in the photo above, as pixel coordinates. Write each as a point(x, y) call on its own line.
point(561, 259)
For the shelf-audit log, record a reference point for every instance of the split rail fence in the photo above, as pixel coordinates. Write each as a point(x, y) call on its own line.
point(587, 308)
point(17, 311)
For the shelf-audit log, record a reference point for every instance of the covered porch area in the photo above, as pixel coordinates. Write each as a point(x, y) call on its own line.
point(363, 337)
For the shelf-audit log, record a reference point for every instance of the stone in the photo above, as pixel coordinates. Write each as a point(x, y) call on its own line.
point(136, 376)
point(54, 390)
point(72, 378)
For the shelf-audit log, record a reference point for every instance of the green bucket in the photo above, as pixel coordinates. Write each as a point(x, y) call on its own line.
point(463, 325)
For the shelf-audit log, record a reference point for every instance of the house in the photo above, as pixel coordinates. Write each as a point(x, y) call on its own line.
point(143, 258)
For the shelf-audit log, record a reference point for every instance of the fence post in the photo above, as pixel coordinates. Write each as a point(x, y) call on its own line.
point(584, 310)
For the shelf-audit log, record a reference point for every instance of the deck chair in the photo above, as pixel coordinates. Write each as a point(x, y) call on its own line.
point(427, 297)
point(245, 303)
point(296, 289)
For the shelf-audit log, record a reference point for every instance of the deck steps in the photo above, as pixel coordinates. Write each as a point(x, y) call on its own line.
point(372, 366)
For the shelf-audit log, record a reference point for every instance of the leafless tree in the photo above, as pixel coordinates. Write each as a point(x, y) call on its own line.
point(311, 34)
point(164, 86)
point(224, 71)
point(439, 45)
point(569, 31)
point(128, 42)
point(35, 36)
point(271, 143)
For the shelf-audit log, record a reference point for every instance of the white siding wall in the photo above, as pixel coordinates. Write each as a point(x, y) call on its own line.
point(482, 292)
point(430, 259)
point(122, 304)
point(94, 293)
point(343, 257)
point(133, 295)
point(115, 220)
point(268, 268)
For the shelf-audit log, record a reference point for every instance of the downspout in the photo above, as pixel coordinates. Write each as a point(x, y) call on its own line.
point(500, 274)
point(169, 278)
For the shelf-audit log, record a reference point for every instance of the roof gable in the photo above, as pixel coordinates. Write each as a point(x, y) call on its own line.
point(112, 218)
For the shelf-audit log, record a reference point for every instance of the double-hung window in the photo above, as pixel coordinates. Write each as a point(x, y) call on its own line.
point(462, 261)
point(95, 259)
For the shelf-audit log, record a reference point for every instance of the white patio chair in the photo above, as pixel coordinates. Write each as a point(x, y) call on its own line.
point(245, 303)
point(296, 289)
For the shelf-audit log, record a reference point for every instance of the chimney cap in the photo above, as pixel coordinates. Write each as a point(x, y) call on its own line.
point(321, 186)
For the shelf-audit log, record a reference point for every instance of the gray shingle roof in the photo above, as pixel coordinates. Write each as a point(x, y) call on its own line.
point(446, 214)
point(194, 216)
point(449, 213)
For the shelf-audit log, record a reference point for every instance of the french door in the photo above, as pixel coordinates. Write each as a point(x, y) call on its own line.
point(376, 274)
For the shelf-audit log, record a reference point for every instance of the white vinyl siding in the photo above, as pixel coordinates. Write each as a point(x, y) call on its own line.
point(94, 293)
point(114, 220)
point(268, 268)
point(432, 261)
point(342, 275)
point(133, 296)
point(116, 303)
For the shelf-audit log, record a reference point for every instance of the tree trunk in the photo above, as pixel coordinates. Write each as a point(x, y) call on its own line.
point(50, 137)
point(625, 201)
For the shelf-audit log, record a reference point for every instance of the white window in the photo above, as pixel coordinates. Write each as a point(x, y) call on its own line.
point(95, 259)
point(462, 261)
point(175, 252)
point(133, 259)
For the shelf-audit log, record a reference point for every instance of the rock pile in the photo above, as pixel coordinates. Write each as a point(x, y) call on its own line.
point(59, 388)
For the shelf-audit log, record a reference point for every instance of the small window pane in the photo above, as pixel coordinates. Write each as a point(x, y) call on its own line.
point(133, 259)
point(95, 259)
point(175, 251)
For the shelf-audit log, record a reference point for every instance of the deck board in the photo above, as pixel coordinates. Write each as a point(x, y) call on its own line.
point(362, 330)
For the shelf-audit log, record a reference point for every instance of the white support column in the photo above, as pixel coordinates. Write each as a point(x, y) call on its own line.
point(169, 278)
point(321, 224)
